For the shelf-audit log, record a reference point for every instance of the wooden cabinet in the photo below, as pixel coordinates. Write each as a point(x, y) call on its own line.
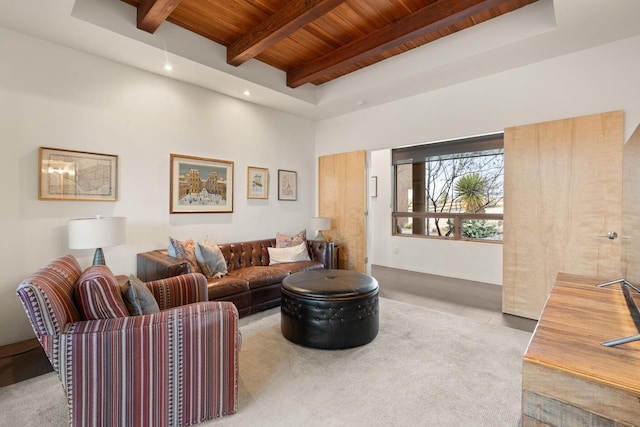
point(568, 377)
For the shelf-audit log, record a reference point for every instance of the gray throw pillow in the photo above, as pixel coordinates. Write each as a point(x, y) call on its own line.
point(138, 297)
point(210, 259)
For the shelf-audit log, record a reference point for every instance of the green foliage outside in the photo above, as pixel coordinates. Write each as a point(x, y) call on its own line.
point(477, 229)
point(470, 188)
point(454, 183)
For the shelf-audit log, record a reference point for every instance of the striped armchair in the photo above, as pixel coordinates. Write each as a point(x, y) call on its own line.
point(174, 368)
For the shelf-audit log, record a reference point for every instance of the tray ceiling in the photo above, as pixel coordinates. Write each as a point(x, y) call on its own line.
point(317, 41)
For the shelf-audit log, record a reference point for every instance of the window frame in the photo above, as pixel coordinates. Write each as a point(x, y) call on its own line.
point(421, 154)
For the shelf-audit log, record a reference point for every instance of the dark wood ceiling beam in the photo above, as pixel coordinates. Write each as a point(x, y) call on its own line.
point(422, 22)
point(293, 16)
point(152, 13)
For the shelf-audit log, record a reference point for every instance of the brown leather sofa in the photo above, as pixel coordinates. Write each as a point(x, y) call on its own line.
point(251, 283)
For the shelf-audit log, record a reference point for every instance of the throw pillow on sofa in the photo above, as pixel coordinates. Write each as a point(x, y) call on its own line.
point(210, 259)
point(284, 241)
point(184, 250)
point(98, 295)
point(138, 298)
point(292, 254)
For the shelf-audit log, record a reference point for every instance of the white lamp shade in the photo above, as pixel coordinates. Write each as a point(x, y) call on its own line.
point(320, 223)
point(98, 232)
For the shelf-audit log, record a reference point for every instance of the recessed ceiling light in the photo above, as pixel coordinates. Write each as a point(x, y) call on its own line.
point(167, 67)
point(246, 92)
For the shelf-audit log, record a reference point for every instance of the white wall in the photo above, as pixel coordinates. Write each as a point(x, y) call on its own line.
point(468, 260)
point(601, 79)
point(57, 97)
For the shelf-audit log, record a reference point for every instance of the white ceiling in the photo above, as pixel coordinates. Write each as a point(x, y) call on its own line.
point(537, 32)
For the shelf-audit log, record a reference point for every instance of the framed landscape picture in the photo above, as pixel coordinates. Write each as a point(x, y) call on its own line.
point(77, 175)
point(257, 183)
point(200, 185)
point(287, 185)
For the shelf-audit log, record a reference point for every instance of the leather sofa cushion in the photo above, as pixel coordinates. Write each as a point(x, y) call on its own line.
point(294, 267)
point(259, 276)
point(226, 286)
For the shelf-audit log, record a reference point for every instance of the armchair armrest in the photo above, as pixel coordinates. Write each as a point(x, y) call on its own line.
point(179, 290)
point(177, 367)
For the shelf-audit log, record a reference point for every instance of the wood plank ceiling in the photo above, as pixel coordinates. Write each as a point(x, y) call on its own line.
point(316, 41)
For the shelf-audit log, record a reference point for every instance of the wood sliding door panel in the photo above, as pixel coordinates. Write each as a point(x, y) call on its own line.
point(342, 197)
point(563, 188)
point(630, 207)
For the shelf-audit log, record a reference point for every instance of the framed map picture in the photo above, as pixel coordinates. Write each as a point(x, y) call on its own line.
point(201, 185)
point(77, 175)
point(257, 183)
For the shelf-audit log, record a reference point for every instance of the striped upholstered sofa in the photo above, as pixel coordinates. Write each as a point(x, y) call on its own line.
point(172, 368)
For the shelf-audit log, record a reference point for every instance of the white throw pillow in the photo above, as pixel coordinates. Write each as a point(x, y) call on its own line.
point(292, 254)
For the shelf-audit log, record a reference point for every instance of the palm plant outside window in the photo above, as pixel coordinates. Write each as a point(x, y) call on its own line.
point(452, 189)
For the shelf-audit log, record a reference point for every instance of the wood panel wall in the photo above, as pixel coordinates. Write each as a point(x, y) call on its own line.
point(342, 197)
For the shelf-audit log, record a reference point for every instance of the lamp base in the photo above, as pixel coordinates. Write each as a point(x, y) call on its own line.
point(98, 257)
point(320, 237)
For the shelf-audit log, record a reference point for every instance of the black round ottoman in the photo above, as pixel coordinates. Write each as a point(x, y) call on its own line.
point(329, 309)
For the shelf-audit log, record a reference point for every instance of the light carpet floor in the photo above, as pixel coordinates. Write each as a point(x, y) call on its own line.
point(425, 368)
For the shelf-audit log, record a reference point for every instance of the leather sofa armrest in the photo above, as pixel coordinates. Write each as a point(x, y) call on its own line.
point(157, 264)
point(322, 251)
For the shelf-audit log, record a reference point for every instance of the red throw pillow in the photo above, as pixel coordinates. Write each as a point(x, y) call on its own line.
point(98, 294)
point(284, 241)
point(185, 250)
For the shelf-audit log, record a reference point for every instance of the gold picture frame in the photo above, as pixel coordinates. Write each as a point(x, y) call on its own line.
point(200, 185)
point(257, 183)
point(77, 175)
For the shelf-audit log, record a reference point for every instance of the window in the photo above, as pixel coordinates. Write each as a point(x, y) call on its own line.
point(452, 189)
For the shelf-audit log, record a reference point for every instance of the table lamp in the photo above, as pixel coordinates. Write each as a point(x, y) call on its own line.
point(99, 232)
point(319, 224)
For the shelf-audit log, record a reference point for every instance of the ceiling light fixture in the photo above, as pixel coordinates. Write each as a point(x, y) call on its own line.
point(246, 92)
point(167, 67)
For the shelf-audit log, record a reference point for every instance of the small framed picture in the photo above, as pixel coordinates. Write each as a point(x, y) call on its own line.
point(287, 185)
point(257, 183)
point(77, 175)
point(200, 185)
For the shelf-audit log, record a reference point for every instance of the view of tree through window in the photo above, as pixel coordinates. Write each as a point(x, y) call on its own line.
point(457, 185)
